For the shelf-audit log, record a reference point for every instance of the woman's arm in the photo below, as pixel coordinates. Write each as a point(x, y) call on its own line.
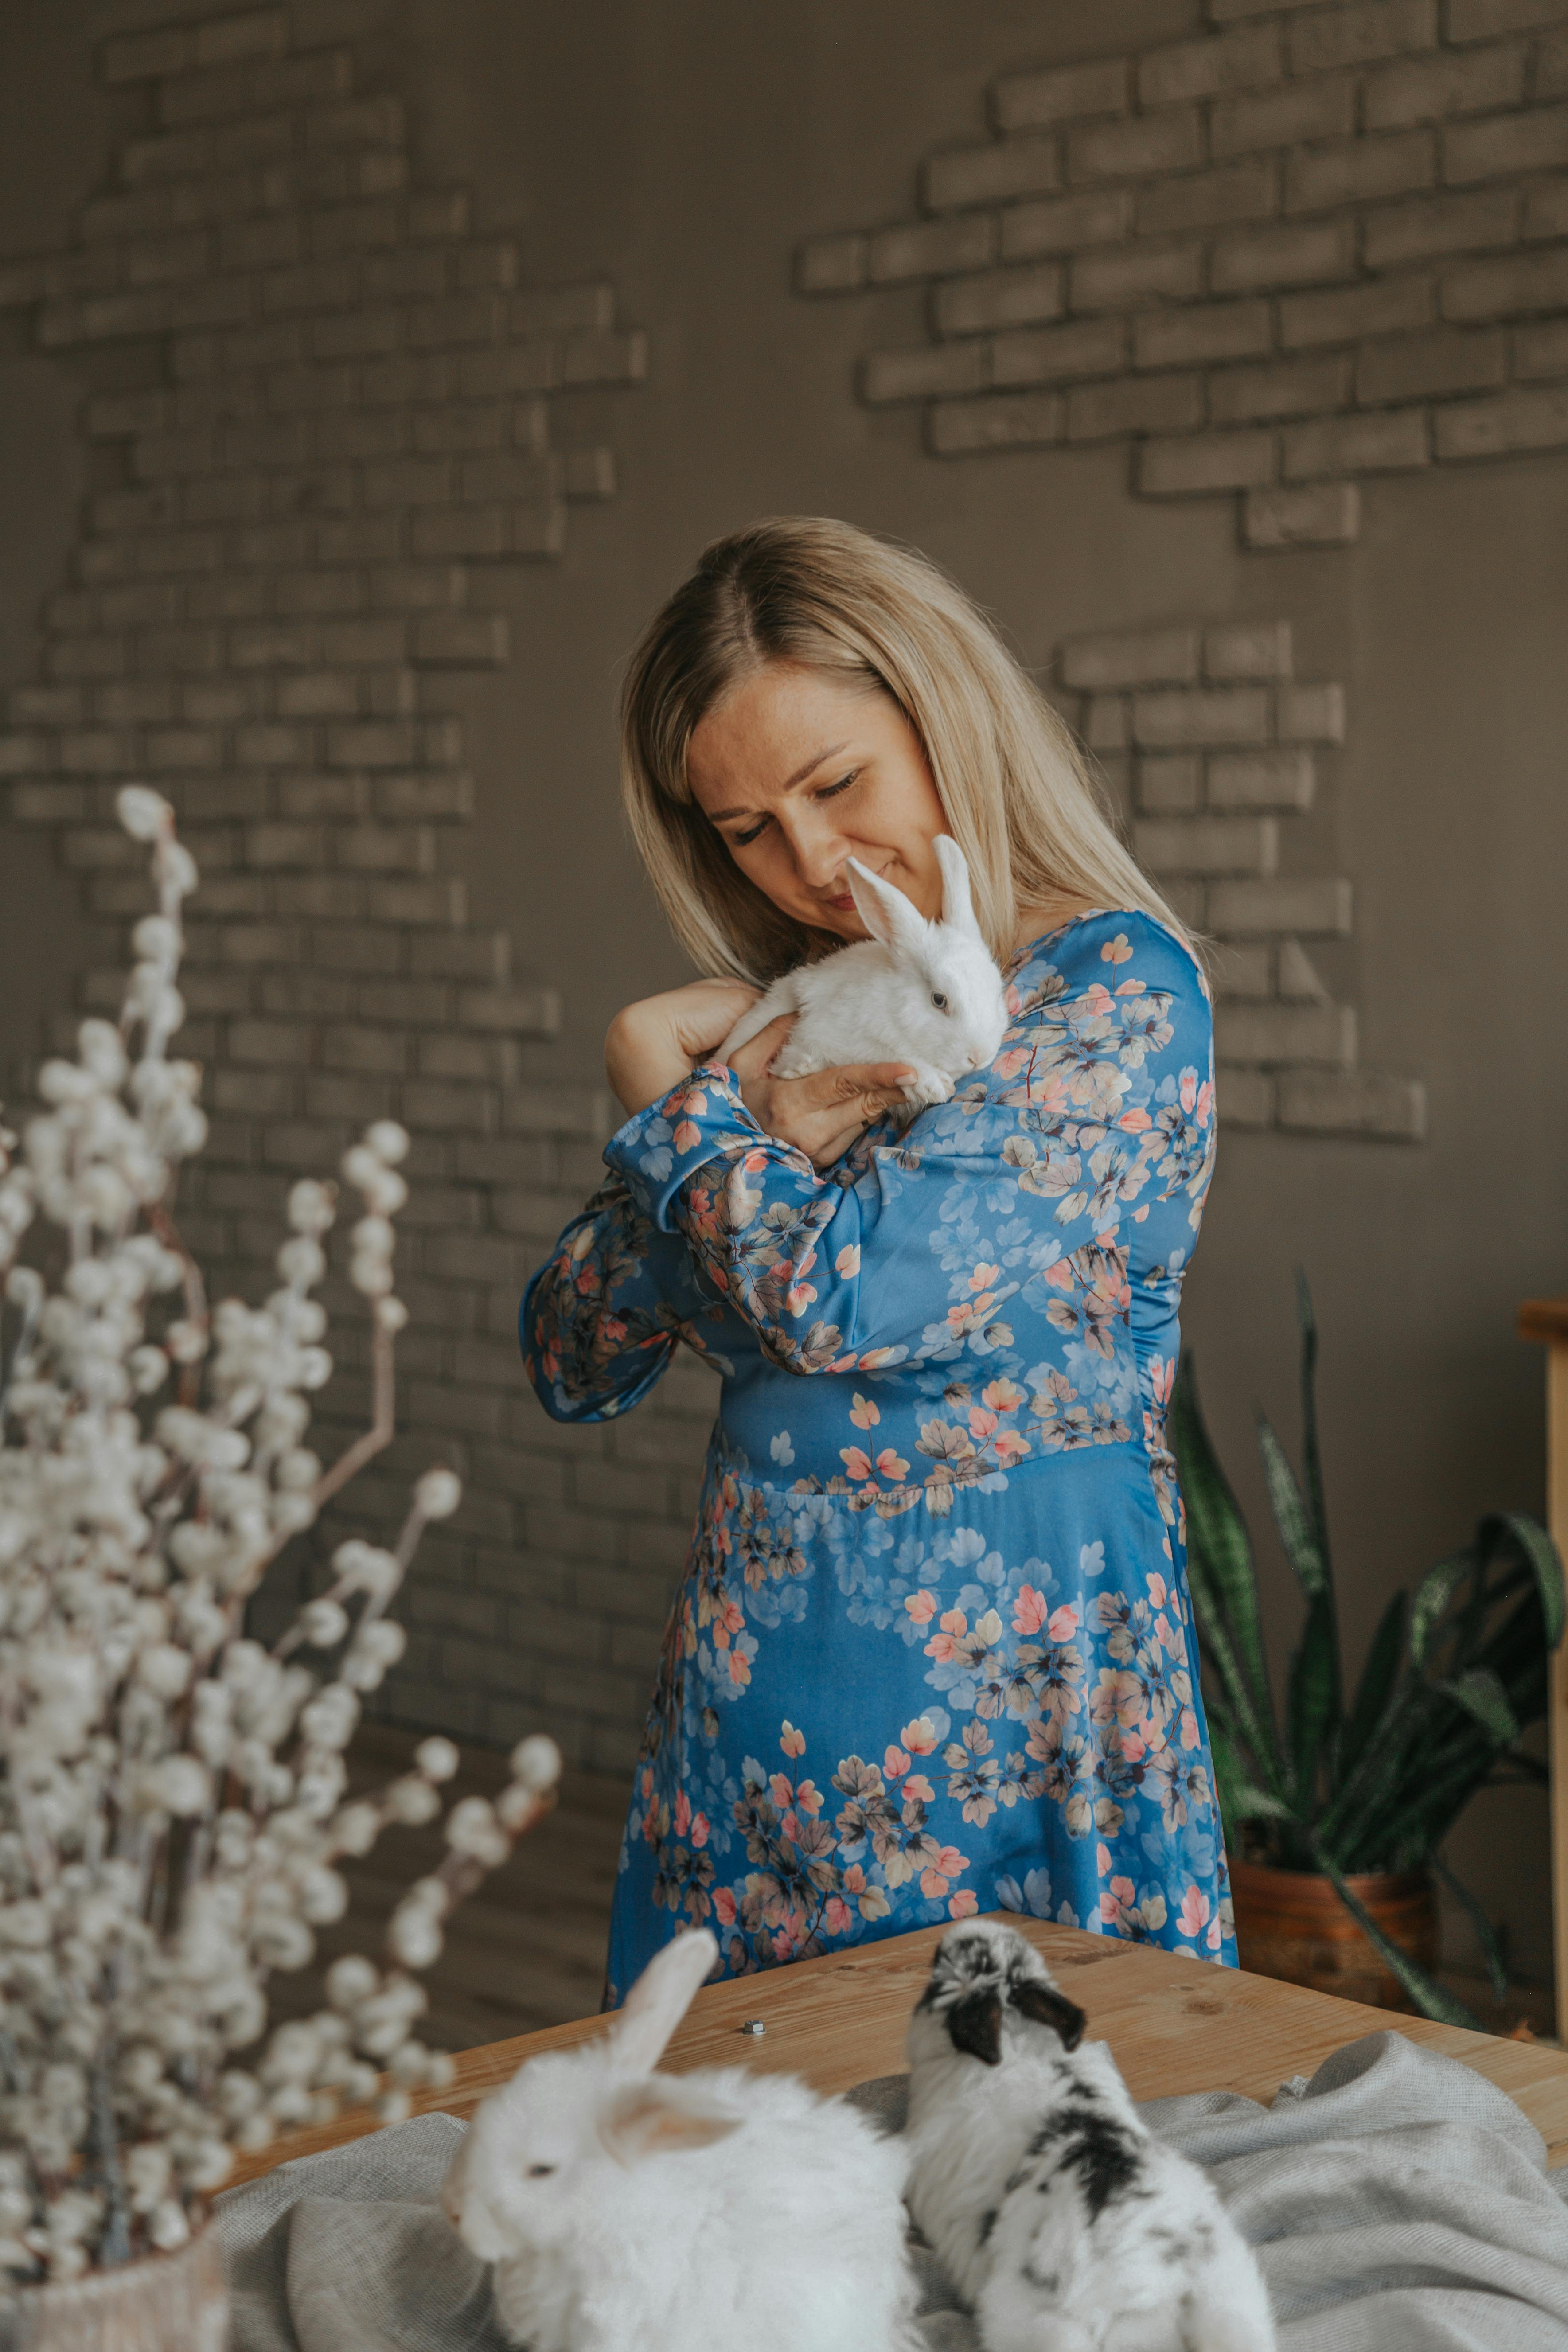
point(600, 1319)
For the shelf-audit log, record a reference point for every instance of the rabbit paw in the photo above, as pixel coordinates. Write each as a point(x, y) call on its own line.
point(928, 1085)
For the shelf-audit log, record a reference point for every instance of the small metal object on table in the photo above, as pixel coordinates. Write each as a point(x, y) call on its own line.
point(753, 2025)
point(1174, 2025)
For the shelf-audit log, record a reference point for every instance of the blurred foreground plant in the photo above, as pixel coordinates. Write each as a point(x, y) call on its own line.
point(1452, 1680)
point(172, 1794)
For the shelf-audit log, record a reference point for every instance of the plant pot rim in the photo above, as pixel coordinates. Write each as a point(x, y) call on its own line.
point(1370, 1886)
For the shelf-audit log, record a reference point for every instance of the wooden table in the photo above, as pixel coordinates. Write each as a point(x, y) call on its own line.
point(1546, 1319)
point(1174, 2025)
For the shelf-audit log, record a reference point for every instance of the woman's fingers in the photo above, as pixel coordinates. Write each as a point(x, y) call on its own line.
point(750, 1060)
point(702, 1013)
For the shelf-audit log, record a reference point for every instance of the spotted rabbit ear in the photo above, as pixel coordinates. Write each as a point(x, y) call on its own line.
point(660, 1999)
point(974, 2025)
point(1048, 2007)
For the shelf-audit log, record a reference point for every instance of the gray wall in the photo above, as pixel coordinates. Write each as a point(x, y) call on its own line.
point(682, 153)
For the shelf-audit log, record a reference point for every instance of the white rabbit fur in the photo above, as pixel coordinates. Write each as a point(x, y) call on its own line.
point(1059, 2215)
point(625, 2209)
point(875, 1001)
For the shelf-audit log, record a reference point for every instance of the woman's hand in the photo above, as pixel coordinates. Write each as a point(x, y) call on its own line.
point(822, 1115)
point(651, 1045)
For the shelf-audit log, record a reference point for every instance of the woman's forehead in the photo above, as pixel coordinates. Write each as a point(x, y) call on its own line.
point(774, 728)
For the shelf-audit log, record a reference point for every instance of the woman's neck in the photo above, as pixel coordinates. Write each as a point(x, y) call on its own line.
point(1048, 915)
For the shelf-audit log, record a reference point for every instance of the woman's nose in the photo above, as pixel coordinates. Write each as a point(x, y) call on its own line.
point(820, 850)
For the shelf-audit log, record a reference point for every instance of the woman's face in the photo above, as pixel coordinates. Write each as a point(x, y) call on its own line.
point(799, 772)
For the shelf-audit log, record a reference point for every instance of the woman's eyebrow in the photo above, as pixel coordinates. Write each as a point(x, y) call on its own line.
point(718, 816)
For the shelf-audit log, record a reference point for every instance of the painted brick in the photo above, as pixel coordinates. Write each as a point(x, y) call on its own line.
point(1246, 191)
point(1360, 35)
point(831, 265)
point(1311, 714)
point(1355, 170)
point(1450, 361)
point(1499, 288)
point(1032, 101)
point(931, 249)
point(1123, 275)
point(142, 57)
point(925, 372)
point(1284, 388)
point(1289, 1034)
point(1283, 117)
point(1261, 780)
point(1023, 420)
point(1210, 331)
point(1483, 20)
point(1207, 844)
point(1171, 786)
point(1296, 256)
point(1201, 463)
point(1345, 314)
point(1131, 657)
point(1394, 442)
point(1240, 649)
point(1154, 404)
point(1428, 90)
point(1542, 351)
point(1546, 209)
point(1058, 354)
point(1352, 1102)
point(597, 358)
point(1238, 61)
point(1548, 67)
point(1202, 716)
point(1108, 723)
point(1327, 516)
point(983, 175)
point(1312, 908)
point(1120, 151)
point(1245, 1099)
point(1063, 224)
point(1505, 145)
point(997, 298)
point(1440, 224)
point(358, 122)
point(1495, 429)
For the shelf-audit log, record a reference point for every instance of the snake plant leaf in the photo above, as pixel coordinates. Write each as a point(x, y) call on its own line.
point(1254, 1804)
point(1480, 1694)
point(1291, 1515)
point(1375, 1689)
point(1433, 1594)
point(1497, 1975)
point(1313, 1707)
point(1431, 1999)
point(1218, 1532)
point(1311, 1456)
point(1214, 1642)
point(1533, 1548)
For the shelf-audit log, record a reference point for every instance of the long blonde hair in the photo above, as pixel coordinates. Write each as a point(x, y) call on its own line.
point(1017, 793)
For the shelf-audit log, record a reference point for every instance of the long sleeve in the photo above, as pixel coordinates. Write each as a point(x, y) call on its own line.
point(601, 1319)
point(1087, 1142)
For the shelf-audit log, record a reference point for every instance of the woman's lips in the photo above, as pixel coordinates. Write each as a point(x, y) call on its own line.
point(846, 903)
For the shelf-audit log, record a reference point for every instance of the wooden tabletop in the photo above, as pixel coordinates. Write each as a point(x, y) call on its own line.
point(1174, 2025)
point(1544, 1318)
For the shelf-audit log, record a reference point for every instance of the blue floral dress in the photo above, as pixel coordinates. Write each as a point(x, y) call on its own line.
point(933, 1651)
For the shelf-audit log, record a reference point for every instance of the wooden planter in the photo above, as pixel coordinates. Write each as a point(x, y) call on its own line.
point(1291, 1924)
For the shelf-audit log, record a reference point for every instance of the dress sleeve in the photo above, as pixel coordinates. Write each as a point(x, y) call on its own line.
point(601, 1319)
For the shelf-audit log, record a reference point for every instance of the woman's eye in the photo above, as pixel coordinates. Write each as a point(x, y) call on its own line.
point(539, 2172)
point(744, 840)
point(828, 791)
point(939, 1001)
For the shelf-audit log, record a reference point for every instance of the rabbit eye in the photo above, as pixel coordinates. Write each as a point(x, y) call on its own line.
point(539, 2172)
point(939, 1000)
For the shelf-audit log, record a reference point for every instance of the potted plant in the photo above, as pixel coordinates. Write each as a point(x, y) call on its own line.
point(1335, 1820)
point(174, 1802)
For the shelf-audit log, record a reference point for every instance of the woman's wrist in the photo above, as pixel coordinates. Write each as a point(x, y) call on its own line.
point(642, 1061)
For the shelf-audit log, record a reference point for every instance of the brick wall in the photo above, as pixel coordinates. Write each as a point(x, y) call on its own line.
point(1208, 737)
point(323, 412)
point(1313, 246)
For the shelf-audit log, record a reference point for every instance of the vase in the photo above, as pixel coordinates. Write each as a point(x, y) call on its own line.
point(1291, 1924)
point(164, 2303)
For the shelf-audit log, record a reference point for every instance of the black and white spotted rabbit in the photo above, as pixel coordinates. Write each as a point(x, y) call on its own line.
point(1060, 2217)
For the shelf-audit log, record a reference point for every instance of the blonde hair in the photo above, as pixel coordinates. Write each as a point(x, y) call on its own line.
point(1018, 794)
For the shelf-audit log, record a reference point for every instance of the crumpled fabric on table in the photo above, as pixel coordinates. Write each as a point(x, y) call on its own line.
point(1399, 2203)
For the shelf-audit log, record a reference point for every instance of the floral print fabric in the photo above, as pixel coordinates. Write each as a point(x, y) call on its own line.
point(933, 1652)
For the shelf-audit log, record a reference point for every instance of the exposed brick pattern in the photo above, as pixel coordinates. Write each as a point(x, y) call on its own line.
point(1215, 744)
point(320, 407)
point(1313, 244)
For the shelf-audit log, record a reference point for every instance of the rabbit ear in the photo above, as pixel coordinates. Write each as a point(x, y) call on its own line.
point(975, 2025)
point(957, 908)
point(886, 914)
point(1048, 2007)
point(663, 2118)
point(660, 1999)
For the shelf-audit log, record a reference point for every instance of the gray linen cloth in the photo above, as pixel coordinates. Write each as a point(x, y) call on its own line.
point(1399, 2203)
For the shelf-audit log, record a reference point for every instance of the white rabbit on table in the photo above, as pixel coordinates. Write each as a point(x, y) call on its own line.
point(631, 2211)
point(926, 993)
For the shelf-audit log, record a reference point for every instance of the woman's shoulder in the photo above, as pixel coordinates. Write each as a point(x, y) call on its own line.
point(1109, 946)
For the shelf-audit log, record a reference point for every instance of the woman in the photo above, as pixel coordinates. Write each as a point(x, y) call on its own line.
point(933, 1650)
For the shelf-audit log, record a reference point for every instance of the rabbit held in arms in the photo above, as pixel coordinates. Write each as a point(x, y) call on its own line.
point(1060, 2217)
point(925, 994)
point(622, 2208)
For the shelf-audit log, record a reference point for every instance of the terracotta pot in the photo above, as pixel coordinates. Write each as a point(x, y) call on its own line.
point(166, 2303)
point(1291, 1924)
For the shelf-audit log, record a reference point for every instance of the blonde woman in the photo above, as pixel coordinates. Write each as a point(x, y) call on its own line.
point(933, 1653)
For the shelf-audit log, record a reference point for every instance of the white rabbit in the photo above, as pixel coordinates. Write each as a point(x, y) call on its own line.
point(1059, 2215)
point(926, 993)
point(630, 2211)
